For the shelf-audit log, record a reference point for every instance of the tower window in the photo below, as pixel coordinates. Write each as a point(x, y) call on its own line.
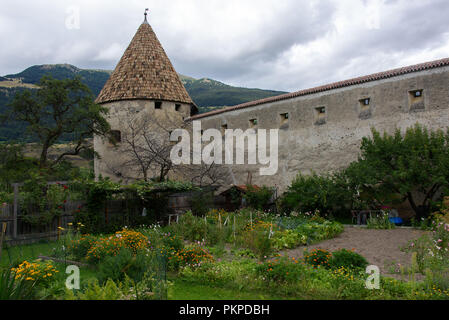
point(158, 105)
point(178, 107)
point(115, 136)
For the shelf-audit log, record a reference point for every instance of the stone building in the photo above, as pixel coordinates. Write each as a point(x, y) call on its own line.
point(320, 129)
point(146, 100)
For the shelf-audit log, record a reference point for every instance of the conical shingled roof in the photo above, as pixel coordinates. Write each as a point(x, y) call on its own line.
point(144, 72)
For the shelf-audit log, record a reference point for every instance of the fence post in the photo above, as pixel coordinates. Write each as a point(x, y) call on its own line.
point(2, 236)
point(16, 204)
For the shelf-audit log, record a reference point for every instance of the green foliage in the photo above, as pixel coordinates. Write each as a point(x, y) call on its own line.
point(125, 263)
point(380, 222)
point(41, 202)
point(280, 270)
point(318, 231)
point(412, 166)
point(258, 198)
point(201, 202)
point(348, 259)
point(259, 243)
point(235, 274)
point(432, 249)
point(94, 291)
point(190, 227)
point(326, 193)
point(14, 289)
point(79, 248)
point(288, 239)
point(318, 257)
point(192, 256)
point(59, 108)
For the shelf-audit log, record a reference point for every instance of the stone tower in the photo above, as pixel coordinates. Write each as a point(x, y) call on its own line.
point(146, 101)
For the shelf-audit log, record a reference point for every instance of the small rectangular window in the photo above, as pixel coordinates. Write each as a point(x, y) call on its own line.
point(365, 102)
point(284, 118)
point(253, 123)
point(321, 111)
point(416, 99)
point(158, 105)
point(320, 115)
point(178, 107)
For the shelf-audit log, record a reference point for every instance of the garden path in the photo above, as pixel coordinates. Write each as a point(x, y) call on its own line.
point(379, 247)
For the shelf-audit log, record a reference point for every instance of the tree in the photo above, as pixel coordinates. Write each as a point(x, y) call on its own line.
point(59, 109)
point(145, 148)
point(327, 193)
point(414, 166)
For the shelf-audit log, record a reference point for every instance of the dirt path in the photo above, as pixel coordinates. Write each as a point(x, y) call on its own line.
point(379, 247)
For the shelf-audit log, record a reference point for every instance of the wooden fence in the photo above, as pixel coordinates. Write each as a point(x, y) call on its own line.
point(20, 231)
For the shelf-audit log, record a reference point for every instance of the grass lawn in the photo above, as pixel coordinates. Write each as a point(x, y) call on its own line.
point(12, 255)
point(182, 290)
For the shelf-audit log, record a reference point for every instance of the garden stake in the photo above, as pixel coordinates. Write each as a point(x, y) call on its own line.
point(1, 239)
point(219, 219)
point(234, 227)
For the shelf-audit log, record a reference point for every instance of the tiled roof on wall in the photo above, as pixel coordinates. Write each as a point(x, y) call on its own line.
point(144, 72)
point(335, 85)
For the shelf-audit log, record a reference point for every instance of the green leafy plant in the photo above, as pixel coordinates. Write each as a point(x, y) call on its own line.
point(13, 287)
point(348, 259)
point(318, 257)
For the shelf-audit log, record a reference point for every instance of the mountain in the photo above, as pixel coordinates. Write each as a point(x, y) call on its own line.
point(207, 94)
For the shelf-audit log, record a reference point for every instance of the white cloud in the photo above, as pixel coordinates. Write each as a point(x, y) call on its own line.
point(284, 45)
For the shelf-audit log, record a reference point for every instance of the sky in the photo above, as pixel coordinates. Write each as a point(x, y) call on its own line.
point(285, 45)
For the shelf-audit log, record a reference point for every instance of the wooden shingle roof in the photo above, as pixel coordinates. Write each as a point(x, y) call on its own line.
point(144, 72)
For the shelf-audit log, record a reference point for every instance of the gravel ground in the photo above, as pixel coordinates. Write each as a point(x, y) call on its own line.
point(379, 247)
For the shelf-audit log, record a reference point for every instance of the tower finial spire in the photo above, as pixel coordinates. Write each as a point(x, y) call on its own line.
point(145, 14)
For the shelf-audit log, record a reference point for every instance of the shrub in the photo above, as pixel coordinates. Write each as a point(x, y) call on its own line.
point(109, 291)
point(380, 222)
point(79, 248)
point(317, 257)
point(259, 243)
point(190, 227)
point(125, 263)
point(347, 259)
point(258, 199)
point(310, 192)
point(111, 246)
point(192, 256)
point(280, 270)
point(288, 239)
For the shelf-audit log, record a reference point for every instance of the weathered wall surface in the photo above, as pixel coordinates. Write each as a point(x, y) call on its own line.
point(125, 116)
point(326, 142)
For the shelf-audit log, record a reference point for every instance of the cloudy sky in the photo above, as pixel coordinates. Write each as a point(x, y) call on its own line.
point(272, 44)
